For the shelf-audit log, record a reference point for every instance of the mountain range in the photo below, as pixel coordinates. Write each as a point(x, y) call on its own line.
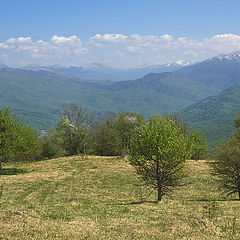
point(219, 72)
point(205, 94)
point(97, 71)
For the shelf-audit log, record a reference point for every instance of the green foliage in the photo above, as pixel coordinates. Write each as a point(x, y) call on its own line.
point(227, 165)
point(237, 123)
point(113, 134)
point(127, 124)
point(51, 145)
point(74, 130)
point(158, 152)
point(34, 96)
point(48, 149)
point(200, 145)
point(213, 116)
point(17, 141)
point(106, 137)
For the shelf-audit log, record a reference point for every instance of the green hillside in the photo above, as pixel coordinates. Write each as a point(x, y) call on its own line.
point(219, 73)
point(214, 115)
point(38, 95)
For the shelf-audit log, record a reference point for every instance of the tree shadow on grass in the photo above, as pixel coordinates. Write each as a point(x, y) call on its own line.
point(138, 202)
point(12, 171)
point(215, 200)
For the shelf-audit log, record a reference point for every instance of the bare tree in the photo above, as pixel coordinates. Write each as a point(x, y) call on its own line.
point(74, 130)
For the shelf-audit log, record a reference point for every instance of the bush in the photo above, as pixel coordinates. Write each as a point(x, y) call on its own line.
point(17, 141)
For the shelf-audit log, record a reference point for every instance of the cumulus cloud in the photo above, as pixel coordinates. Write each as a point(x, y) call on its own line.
point(23, 50)
point(4, 46)
point(19, 40)
point(102, 40)
point(224, 42)
point(117, 49)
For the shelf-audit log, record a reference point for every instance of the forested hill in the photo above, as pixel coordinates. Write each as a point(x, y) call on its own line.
point(214, 115)
point(38, 95)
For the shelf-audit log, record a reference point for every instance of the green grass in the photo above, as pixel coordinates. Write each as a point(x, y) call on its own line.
point(99, 198)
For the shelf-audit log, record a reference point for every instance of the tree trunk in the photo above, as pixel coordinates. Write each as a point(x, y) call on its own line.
point(239, 192)
point(159, 192)
point(159, 183)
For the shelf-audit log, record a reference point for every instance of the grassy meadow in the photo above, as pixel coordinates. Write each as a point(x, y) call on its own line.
point(102, 198)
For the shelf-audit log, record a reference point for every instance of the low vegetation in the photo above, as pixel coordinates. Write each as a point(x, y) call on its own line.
point(17, 141)
point(227, 164)
point(103, 198)
point(90, 197)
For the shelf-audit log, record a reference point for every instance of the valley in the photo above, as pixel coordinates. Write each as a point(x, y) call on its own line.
point(194, 92)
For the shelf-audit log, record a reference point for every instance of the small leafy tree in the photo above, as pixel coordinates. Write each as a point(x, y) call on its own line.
point(158, 152)
point(74, 129)
point(227, 164)
point(107, 141)
point(113, 133)
point(48, 148)
point(126, 125)
point(17, 141)
point(200, 145)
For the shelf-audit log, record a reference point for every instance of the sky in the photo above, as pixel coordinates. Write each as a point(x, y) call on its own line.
point(117, 33)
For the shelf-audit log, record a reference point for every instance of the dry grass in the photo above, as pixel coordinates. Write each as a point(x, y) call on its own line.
point(96, 198)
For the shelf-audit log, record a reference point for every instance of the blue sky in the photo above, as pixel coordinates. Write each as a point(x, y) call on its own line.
point(116, 33)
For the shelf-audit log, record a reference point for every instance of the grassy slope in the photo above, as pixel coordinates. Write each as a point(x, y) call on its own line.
point(75, 198)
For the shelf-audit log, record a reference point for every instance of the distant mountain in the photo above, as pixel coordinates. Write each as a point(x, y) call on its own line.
point(97, 71)
point(219, 72)
point(37, 92)
point(214, 115)
point(2, 65)
point(37, 95)
point(167, 83)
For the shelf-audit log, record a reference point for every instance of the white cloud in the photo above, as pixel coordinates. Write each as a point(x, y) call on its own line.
point(65, 40)
point(118, 50)
point(224, 42)
point(19, 40)
point(4, 46)
point(101, 40)
point(58, 48)
point(109, 37)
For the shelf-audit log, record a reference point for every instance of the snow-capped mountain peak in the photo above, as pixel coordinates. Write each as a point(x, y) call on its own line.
point(181, 63)
point(178, 63)
point(234, 56)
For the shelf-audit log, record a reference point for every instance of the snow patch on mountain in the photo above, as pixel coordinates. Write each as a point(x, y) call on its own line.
point(234, 56)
